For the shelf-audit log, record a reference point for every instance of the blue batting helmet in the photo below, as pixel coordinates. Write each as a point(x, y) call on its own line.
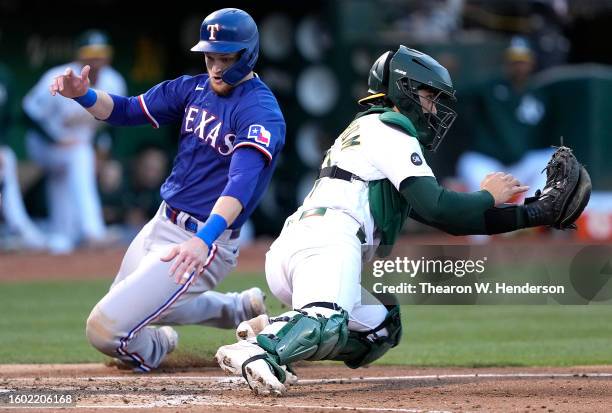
point(230, 31)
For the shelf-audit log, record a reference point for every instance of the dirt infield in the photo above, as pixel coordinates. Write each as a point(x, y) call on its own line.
point(322, 389)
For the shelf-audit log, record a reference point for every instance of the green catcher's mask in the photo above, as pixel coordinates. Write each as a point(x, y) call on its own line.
point(396, 78)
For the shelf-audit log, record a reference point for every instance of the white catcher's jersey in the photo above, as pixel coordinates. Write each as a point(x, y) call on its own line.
point(372, 150)
point(63, 118)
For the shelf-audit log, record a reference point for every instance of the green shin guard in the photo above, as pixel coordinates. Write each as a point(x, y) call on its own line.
point(361, 350)
point(305, 337)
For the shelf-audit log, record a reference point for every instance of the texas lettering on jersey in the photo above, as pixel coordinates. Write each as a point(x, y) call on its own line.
point(206, 126)
point(213, 128)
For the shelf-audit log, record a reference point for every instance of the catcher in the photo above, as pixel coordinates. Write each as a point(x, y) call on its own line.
point(373, 177)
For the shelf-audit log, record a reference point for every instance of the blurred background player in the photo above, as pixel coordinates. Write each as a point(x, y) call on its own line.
point(12, 208)
point(231, 134)
point(60, 140)
point(507, 127)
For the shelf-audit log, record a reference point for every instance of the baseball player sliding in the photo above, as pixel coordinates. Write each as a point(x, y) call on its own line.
point(372, 178)
point(232, 131)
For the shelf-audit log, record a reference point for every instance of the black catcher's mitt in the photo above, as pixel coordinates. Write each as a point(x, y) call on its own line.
point(565, 195)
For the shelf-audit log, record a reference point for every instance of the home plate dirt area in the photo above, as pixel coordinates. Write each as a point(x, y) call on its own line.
point(329, 388)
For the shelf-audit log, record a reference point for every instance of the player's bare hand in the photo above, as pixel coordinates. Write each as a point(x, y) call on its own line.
point(188, 256)
point(70, 84)
point(502, 186)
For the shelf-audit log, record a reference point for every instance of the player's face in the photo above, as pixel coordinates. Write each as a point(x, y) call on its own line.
point(216, 64)
point(427, 97)
point(519, 71)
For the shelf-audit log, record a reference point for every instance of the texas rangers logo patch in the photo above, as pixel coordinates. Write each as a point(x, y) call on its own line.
point(260, 134)
point(416, 159)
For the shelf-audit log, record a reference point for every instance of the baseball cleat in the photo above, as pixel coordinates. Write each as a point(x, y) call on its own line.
point(257, 373)
point(290, 378)
point(254, 303)
point(171, 335)
point(250, 328)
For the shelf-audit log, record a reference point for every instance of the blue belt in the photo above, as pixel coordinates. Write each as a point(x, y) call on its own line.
point(191, 224)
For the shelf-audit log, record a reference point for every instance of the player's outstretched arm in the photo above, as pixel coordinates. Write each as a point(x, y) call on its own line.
point(75, 86)
point(465, 213)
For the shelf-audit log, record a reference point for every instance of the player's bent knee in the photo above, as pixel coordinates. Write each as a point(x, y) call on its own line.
point(99, 334)
point(364, 347)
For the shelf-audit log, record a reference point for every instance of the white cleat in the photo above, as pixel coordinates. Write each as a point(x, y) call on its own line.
point(291, 378)
point(258, 373)
point(254, 302)
point(250, 328)
point(171, 335)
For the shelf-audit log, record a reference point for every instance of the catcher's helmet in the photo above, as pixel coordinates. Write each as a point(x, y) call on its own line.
point(395, 79)
point(230, 31)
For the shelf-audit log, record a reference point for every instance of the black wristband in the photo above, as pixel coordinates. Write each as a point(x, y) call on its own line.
point(504, 219)
point(537, 213)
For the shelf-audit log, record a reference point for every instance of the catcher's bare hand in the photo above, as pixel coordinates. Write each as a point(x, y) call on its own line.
point(502, 186)
point(188, 256)
point(70, 84)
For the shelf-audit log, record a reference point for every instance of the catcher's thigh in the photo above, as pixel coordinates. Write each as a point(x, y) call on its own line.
point(276, 276)
point(313, 262)
point(319, 260)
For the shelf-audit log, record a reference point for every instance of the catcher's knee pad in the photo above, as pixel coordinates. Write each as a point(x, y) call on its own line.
point(307, 334)
point(364, 347)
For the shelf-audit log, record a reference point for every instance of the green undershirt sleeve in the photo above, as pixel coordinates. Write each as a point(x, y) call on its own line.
point(459, 213)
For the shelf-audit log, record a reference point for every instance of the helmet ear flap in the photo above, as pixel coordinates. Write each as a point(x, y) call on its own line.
point(243, 65)
point(378, 80)
point(386, 65)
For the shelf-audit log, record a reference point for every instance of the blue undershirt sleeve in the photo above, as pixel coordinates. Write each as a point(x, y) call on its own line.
point(245, 167)
point(127, 111)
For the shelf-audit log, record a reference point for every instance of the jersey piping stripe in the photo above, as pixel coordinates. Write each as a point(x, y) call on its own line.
point(143, 366)
point(124, 340)
point(262, 150)
point(144, 108)
point(137, 358)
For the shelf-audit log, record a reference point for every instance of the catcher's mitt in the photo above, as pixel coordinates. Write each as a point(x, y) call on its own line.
point(565, 195)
